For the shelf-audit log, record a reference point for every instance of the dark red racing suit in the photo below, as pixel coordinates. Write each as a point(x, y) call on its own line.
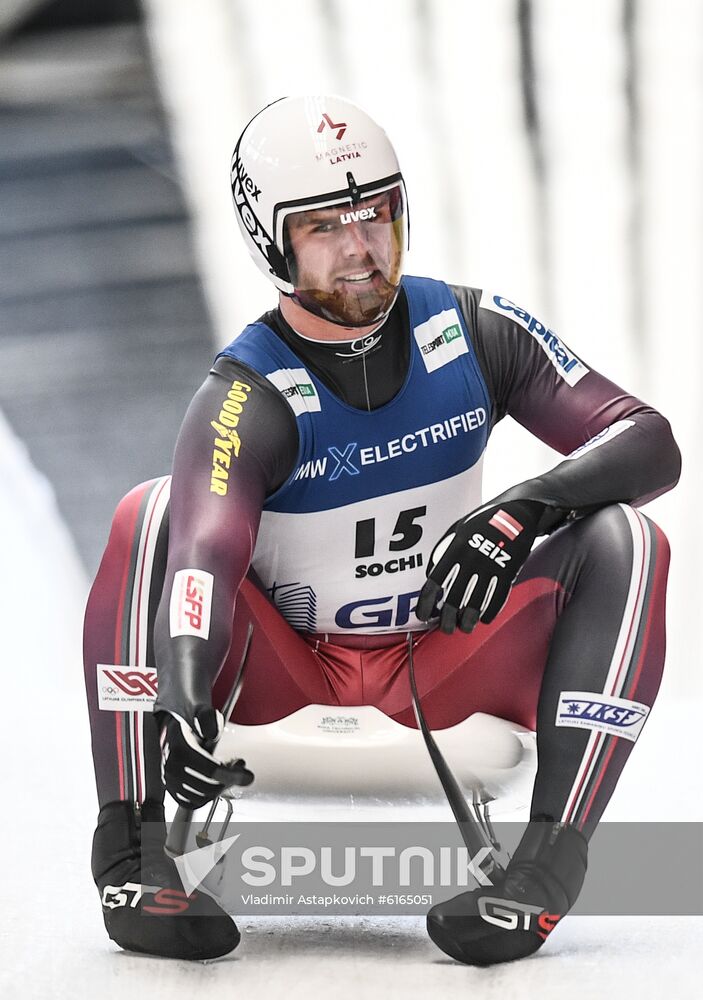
point(583, 626)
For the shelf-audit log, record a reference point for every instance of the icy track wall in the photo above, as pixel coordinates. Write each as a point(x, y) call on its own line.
point(43, 589)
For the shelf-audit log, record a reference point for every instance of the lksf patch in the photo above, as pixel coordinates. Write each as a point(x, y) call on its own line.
point(227, 441)
point(191, 603)
point(126, 689)
point(605, 713)
point(441, 339)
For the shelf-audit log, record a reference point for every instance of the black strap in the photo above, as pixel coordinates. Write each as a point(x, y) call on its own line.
point(472, 834)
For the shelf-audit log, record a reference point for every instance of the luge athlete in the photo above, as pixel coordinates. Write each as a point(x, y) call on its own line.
point(326, 486)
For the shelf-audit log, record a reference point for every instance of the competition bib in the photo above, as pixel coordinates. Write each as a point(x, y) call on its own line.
point(343, 544)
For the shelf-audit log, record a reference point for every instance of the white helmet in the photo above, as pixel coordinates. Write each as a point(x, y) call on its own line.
point(321, 204)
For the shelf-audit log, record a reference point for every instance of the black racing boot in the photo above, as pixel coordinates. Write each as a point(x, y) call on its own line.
point(513, 918)
point(144, 906)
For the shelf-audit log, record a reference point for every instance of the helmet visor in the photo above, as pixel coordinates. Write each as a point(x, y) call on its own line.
point(346, 260)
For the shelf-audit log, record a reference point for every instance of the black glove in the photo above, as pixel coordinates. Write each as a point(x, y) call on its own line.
point(473, 565)
point(188, 769)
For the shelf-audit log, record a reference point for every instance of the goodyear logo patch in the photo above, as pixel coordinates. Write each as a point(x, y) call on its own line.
point(227, 441)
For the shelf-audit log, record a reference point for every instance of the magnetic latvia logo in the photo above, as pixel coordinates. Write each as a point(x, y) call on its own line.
point(327, 122)
point(350, 151)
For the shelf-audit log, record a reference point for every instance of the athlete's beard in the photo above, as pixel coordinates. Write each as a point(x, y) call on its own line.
point(349, 308)
point(358, 307)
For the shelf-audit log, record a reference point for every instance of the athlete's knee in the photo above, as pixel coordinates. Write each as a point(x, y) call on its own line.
point(126, 516)
point(658, 537)
point(620, 532)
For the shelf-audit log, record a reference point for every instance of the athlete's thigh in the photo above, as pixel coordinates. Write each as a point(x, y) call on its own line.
point(118, 646)
point(497, 669)
point(282, 673)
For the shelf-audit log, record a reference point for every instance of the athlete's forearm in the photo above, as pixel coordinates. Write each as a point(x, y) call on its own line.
point(632, 461)
point(228, 457)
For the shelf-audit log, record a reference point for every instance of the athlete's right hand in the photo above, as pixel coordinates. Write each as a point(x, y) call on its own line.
point(192, 775)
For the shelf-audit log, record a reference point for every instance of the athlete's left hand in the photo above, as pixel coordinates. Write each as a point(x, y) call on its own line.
point(473, 566)
point(189, 769)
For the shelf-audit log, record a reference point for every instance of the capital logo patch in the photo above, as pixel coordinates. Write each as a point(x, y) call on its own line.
point(565, 362)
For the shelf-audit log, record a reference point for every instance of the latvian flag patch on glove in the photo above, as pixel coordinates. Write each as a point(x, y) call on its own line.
point(506, 524)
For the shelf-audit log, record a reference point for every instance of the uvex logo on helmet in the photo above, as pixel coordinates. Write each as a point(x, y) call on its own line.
point(328, 123)
point(242, 185)
point(247, 183)
point(361, 216)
